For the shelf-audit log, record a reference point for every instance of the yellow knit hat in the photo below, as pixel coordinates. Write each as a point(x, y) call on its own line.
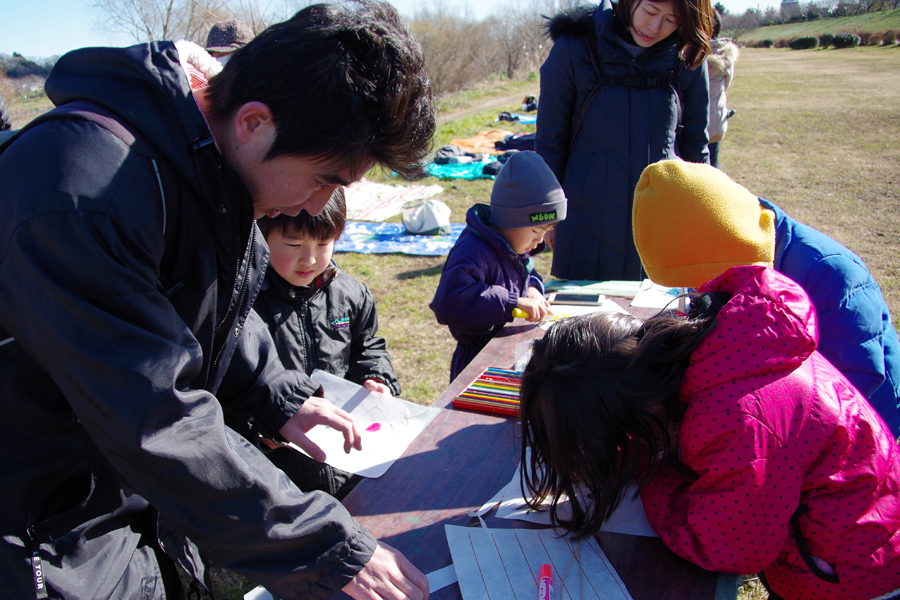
point(692, 223)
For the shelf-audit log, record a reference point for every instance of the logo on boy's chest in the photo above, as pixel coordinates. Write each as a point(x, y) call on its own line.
point(340, 323)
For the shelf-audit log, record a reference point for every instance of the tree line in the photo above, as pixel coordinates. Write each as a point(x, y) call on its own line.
point(459, 50)
point(794, 11)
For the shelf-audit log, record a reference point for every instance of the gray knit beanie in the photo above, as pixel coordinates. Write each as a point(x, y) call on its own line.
point(526, 193)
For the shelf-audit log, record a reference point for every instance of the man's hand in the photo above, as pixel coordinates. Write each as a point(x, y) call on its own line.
point(319, 411)
point(388, 575)
point(373, 385)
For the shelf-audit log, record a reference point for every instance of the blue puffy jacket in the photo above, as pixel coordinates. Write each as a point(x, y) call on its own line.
point(855, 329)
point(624, 130)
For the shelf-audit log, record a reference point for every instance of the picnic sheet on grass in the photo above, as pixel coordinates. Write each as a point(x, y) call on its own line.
point(472, 170)
point(523, 118)
point(385, 238)
point(370, 201)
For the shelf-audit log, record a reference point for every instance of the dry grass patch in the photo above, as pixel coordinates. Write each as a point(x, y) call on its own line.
point(816, 133)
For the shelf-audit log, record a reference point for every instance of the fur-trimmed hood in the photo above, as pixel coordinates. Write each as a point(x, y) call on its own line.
point(723, 55)
point(577, 21)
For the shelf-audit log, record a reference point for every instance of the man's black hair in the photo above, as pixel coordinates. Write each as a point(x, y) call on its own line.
point(344, 81)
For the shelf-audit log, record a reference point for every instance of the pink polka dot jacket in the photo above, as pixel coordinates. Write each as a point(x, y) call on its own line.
point(785, 468)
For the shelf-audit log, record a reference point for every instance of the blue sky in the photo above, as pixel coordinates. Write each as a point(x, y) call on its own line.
point(42, 28)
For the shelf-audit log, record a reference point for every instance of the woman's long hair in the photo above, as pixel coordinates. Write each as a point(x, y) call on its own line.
point(695, 26)
point(595, 401)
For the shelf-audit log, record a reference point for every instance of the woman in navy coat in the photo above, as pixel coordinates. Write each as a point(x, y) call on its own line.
point(652, 103)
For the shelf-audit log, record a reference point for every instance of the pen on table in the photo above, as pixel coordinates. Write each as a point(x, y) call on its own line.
point(545, 584)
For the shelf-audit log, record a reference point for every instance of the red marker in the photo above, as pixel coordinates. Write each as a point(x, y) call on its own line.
point(545, 585)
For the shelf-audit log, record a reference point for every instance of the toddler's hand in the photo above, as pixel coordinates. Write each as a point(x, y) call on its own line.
point(537, 309)
point(373, 385)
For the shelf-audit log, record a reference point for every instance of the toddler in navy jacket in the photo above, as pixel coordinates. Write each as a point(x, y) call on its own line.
point(490, 270)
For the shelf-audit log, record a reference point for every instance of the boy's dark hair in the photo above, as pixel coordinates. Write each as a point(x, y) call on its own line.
point(590, 404)
point(326, 226)
point(695, 27)
point(344, 81)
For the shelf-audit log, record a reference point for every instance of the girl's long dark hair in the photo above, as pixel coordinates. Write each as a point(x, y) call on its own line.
point(595, 400)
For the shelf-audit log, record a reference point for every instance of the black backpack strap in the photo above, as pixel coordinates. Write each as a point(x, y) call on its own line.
point(644, 81)
point(578, 117)
point(79, 110)
point(101, 117)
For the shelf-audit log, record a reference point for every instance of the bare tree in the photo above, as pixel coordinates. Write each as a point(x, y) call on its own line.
point(734, 26)
point(518, 37)
point(452, 44)
point(154, 20)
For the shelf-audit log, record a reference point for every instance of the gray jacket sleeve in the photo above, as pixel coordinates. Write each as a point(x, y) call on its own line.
point(692, 137)
point(369, 357)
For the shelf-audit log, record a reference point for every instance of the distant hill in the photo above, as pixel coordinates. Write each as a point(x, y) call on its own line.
point(873, 22)
point(17, 66)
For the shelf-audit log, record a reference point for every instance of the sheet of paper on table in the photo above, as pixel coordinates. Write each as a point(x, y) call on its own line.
point(628, 518)
point(388, 426)
point(652, 295)
point(505, 563)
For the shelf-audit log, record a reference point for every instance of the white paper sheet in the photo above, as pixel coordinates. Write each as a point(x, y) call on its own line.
point(628, 518)
point(503, 564)
point(388, 426)
point(258, 593)
point(438, 580)
point(652, 295)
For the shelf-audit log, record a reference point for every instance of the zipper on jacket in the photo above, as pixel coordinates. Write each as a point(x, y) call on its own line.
point(306, 328)
point(241, 284)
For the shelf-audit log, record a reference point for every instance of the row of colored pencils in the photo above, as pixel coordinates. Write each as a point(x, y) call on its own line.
point(495, 391)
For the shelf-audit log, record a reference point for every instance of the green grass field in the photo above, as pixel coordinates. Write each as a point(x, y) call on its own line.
point(873, 22)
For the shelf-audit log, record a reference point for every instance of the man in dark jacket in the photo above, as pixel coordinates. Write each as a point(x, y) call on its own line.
point(5, 122)
point(129, 259)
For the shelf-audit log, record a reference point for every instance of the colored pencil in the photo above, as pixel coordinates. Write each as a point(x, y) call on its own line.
point(495, 390)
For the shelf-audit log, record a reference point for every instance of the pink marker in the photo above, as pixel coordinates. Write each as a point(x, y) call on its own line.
point(545, 585)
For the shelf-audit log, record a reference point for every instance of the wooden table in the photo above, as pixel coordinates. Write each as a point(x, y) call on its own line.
point(462, 459)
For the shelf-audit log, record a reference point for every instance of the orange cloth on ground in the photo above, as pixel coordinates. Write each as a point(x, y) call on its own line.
point(483, 143)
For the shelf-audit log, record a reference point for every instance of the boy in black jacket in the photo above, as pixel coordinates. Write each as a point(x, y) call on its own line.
point(320, 318)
